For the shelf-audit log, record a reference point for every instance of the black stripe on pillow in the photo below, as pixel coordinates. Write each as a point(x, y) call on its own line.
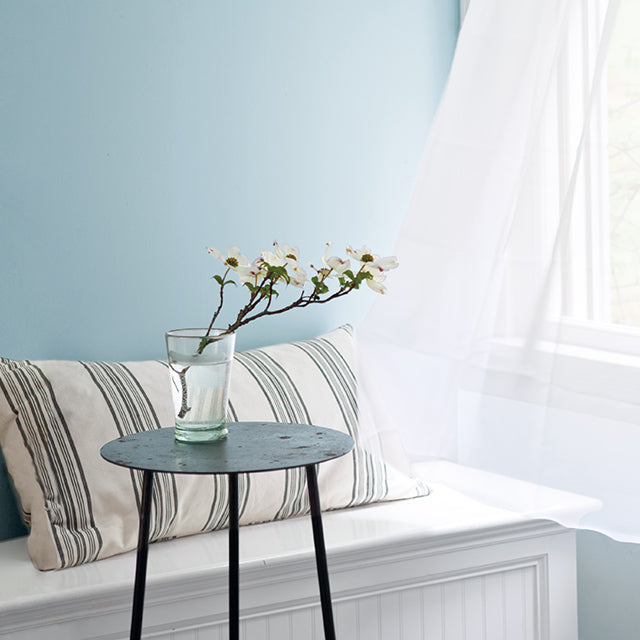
point(370, 480)
point(56, 462)
point(287, 406)
point(132, 411)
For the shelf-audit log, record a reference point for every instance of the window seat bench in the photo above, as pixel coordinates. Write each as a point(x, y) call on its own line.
point(444, 566)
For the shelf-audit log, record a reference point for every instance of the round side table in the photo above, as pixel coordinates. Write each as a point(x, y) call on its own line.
point(250, 447)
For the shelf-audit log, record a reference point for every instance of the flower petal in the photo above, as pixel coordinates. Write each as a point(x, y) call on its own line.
point(325, 272)
point(376, 271)
point(297, 275)
point(234, 252)
point(279, 252)
point(354, 253)
point(246, 274)
point(272, 259)
point(291, 253)
point(388, 263)
point(338, 264)
point(376, 285)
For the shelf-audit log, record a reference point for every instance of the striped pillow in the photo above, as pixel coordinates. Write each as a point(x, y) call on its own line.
point(55, 415)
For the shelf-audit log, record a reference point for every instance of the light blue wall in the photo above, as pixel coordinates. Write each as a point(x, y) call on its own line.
point(135, 133)
point(608, 588)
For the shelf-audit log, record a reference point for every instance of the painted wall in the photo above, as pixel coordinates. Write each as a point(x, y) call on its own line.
point(134, 134)
point(608, 584)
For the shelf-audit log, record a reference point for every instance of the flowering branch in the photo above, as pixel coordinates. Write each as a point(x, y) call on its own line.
point(273, 270)
point(281, 268)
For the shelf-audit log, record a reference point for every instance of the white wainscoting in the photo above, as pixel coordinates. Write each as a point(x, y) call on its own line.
point(443, 567)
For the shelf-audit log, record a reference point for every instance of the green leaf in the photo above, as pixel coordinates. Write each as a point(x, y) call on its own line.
point(349, 273)
point(233, 282)
point(218, 279)
point(277, 273)
point(268, 291)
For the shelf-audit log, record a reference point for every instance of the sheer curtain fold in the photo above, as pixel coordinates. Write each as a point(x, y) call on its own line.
point(458, 358)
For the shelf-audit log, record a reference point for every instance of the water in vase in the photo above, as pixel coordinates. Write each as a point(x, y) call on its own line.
point(200, 391)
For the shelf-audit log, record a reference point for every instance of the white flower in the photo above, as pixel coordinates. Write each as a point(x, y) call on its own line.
point(337, 264)
point(386, 264)
point(286, 252)
point(234, 260)
point(273, 260)
point(297, 275)
point(375, 279)
point(324, 272)
point(371, 259)
point(250, 273)
point(377, 286)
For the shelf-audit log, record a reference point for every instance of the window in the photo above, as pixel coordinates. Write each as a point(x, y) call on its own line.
point(623, 94)
point(598, 295)
point(601, 279)
point(601, 270)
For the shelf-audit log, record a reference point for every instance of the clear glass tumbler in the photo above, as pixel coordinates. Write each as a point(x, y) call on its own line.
point(200, 364)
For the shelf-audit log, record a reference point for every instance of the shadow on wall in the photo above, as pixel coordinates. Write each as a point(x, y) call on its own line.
point(11, 525)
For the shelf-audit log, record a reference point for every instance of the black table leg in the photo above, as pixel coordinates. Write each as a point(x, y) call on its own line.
point(143, 551)
point(234, 560)
point(321, 554)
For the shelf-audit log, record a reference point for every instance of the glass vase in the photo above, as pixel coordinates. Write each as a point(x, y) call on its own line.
point(200, 364)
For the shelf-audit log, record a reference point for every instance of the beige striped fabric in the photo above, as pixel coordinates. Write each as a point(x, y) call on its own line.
point(55, 416)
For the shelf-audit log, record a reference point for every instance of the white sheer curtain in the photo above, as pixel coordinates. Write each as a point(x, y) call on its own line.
point(467, 357)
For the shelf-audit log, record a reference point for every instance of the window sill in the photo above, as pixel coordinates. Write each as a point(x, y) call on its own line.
point(599, 336)
point(601, 362)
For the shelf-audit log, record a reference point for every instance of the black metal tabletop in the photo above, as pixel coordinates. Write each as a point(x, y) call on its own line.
point(250, 447)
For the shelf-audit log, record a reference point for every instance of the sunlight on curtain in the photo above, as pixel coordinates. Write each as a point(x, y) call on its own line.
point(467, 357)
point(623, 80)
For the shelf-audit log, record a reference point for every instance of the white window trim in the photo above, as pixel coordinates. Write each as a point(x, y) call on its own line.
point(586, 264)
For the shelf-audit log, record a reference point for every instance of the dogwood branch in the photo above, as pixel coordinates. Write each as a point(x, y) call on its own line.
point(263, 275)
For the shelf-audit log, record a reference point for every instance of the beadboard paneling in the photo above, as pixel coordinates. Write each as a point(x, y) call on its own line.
point(502, 604)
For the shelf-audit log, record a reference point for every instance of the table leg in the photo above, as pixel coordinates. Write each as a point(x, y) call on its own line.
point(141, 561)
point(321, 554)
point(234, 560)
